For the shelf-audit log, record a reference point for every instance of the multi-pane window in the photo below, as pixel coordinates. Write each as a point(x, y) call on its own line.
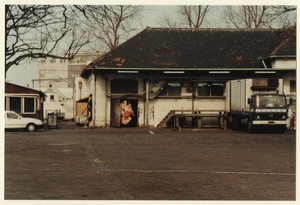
point(21, 104)
point(171, 89)
point(210, 89)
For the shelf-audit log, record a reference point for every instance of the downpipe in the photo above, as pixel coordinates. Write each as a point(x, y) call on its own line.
point(94, 106)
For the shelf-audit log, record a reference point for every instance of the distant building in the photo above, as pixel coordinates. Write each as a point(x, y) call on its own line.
point(25, 101)
point(55, 79)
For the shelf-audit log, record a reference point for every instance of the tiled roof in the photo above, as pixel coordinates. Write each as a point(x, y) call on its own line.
point(286, 47)
point(197, 48)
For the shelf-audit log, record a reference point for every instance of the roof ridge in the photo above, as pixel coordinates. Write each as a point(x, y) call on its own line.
point(208, 29)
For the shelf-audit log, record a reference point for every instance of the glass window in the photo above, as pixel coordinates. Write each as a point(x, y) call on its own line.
point(292, 86)
point(171, 89)
point(217, 89)
point(12, 116)
point(15, 104)
point(210, 89)
point(203, 89)
point(29, 105)
point(174, 89)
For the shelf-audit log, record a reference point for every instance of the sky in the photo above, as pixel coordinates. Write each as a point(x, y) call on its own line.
point(25, 72)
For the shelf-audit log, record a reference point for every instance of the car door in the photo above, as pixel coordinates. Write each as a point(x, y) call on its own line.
point(13, 120)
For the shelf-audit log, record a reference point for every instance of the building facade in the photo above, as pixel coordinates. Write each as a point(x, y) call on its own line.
point(25, 101)
point(160, 71)
point(56, 80)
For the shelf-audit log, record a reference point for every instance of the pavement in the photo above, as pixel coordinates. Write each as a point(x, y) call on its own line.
point(74, 163)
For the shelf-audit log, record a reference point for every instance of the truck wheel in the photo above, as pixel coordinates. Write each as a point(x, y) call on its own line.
point(31, 127)
point(250, 127)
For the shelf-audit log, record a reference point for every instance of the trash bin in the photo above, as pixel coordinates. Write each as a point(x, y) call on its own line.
point(52, 120)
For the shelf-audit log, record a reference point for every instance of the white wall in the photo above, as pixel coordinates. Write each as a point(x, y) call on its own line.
point(63, 107)
point(99, 101)
point(286, 84)
point(159, 108)
point(283, 63)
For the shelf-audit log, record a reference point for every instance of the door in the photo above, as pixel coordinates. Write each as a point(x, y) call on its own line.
point(115, 113)
point(123, 113)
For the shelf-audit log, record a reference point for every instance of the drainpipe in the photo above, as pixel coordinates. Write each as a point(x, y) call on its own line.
point(94, 101)
point(147, 104)
point(80, 88)
point(263, 62)
point(193, 97)
point(105, 118)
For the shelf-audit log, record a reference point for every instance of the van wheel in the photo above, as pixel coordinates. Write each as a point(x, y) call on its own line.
point(31, 127)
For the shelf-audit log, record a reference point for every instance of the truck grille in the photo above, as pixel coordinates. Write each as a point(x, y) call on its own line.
point(270, 116)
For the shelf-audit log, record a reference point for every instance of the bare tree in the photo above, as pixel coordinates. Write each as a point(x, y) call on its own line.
point(255, 16)
point(40, 31)
point(111, 23)
point(192, 16)
point(285, 14)
point(168, 20)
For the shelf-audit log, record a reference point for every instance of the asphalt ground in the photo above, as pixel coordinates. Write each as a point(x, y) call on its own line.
point(73, 163)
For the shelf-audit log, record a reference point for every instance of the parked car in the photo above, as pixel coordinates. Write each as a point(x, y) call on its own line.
point(16, 121)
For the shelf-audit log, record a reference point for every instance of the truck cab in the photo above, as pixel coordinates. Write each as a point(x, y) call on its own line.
point(267, 110)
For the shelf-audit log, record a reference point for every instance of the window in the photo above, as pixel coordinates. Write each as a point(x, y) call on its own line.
point(51, 97)
point(203, 89)
point(12, 116)
point(15, 104)
point(171, 89)
point(29, 105)
point(21, 104)
point(210, 89)
point(124, 86)
point(292, 86)
point(217, 89)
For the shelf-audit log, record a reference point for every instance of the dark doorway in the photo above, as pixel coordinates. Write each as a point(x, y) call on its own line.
point(123, 113)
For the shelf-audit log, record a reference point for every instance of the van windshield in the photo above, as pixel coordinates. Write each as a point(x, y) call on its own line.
point(271, 101)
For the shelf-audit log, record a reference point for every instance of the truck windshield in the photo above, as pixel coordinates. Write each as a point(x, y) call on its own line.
point(271, 101)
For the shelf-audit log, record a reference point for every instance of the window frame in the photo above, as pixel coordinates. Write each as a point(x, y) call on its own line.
point(211, 89)
point(22, 105)
point(166, 92)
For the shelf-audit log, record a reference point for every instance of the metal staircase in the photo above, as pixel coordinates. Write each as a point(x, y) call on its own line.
point(156, 89)
point(166, 119)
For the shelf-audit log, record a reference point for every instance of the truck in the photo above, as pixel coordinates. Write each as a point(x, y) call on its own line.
point(255, 104)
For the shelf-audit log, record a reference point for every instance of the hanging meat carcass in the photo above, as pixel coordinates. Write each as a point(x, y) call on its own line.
point(126, 112)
